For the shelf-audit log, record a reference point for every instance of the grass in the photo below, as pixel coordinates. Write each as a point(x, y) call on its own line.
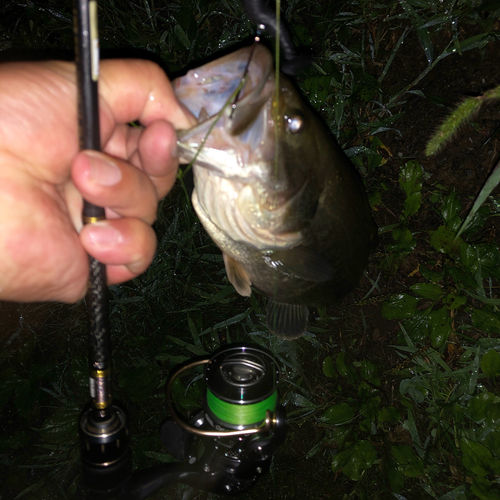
point(418, 418)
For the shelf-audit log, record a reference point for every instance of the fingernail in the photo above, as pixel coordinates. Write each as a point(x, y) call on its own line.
point(103, 235)
point(102, 171)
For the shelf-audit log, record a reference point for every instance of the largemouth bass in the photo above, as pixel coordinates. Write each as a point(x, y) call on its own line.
point(273, 189)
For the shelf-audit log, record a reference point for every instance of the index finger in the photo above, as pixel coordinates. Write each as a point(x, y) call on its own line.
point(135, 89)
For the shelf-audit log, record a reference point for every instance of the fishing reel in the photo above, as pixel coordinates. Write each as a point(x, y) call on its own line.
point(223, 447)
point(240, 426)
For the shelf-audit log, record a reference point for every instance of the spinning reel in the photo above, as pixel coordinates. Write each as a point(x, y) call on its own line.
point(239, 427)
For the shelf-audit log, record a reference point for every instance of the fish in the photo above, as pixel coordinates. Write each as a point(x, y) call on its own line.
point(273, 189)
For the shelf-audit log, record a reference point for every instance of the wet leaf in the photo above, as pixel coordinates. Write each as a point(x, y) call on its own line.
point(405, 242)
point(62, 426)
point(344, 369)
point(427, 290)
point(389, 414)
point(451, 209)
point(412, 204)
point(490, 363)
point(429, 274)
point(476, 457)
point(399, 306)
point(454, 301)
point(414, 389)
point(328, 368)
point(410, 178)
point(368, 371)
point(443, 240)
point(355, 460)
point(425, 41)
point(317, 89)
point(440, 324)
point(484, 489)
point(338, 414)
point(407, 462)
point(485, 320)
point(483, 407)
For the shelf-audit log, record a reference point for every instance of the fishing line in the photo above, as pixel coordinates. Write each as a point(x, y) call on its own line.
point(243, 78)
point(236, 414)
point(277, 122)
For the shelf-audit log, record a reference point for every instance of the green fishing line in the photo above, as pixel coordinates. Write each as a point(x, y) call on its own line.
point(237, 414)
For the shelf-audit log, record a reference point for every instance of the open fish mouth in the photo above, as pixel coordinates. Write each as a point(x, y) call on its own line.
point(232, 99)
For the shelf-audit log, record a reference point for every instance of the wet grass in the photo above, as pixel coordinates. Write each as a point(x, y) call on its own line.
point(402, 406)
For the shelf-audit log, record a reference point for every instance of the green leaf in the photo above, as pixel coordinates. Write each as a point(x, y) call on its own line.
point(182, 37)
point(476, 457)
point(328, 368)
point(443, 240)
point(355, 460)
point(492, 181)
point(62, 426)
point(317, 89)
point(410, 178)
point(425, 41)
point(399, 306)
point(490, 363)
point(451, 209)
point(484, 319)
point(417, 327)
point(405, 242)
point(414, 389)
point(338, 414)
point(431, 275)
point(427, 290)
point(484, 408)
point(440, 324)
point(484, 489)
point(454, 301)
point(408, 463)
point(412, 204)
point(368, 371)
point(343, 368)
point(389, 414)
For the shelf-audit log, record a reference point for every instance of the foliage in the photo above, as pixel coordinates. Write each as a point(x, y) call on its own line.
point(428, 427)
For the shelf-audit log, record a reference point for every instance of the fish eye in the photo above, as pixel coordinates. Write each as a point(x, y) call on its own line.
point(294, 122)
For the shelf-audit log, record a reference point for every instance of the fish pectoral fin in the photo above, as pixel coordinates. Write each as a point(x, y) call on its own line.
point(301, 262)
point(237, 276)
point(287, 321)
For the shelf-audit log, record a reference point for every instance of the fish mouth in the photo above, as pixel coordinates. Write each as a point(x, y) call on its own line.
point(232, 99)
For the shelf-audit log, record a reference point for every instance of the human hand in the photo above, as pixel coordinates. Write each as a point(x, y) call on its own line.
point(43, 247)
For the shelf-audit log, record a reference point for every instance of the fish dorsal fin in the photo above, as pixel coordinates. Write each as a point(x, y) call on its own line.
point(237, 276)
point(287, 321)
point(301, 262)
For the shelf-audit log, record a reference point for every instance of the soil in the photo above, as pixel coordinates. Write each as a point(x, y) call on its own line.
point(463, 164)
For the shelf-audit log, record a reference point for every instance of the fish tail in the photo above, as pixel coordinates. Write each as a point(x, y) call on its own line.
point(287, 321)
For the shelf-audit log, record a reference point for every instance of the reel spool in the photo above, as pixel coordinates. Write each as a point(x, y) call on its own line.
point(241, 392)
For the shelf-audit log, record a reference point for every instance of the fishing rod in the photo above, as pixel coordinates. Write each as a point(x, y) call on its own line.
point(241, 423)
